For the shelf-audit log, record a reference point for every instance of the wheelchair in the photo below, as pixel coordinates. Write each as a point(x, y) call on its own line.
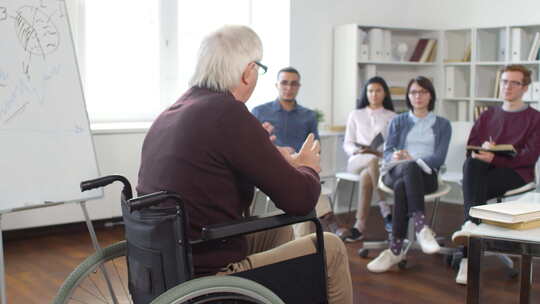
point(154, 265)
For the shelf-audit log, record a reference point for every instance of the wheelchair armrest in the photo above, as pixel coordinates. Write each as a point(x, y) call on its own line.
point(253, 224)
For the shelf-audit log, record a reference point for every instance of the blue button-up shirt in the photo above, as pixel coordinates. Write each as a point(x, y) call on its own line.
point(290, 127)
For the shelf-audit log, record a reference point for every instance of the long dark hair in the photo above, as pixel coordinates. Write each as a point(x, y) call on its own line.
point(427, 85)
point(364, 102)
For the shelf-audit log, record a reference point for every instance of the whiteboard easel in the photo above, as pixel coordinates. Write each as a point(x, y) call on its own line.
point(47, 147)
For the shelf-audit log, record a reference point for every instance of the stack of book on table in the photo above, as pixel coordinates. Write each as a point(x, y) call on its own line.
point(520, 214)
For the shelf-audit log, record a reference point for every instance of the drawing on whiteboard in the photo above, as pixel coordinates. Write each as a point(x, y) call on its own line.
point(38, 36)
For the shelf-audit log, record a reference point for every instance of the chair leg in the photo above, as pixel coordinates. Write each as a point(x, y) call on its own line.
point(334, 195)
point(435, 213)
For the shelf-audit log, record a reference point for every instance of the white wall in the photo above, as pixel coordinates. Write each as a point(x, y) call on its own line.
point(312, 23)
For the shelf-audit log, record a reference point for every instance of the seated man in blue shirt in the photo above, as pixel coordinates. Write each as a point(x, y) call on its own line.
point(291, 123)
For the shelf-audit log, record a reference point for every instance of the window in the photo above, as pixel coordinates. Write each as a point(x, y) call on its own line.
point(137, 56)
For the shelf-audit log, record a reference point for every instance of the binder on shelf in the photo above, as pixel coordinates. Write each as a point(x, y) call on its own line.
point(528, 96)
point(363, 52)
point(518, 44)
point(387, 47)
point(419, 49)
point(535, 90)
point(427, 50)
point(376, 44)
point(450, 81)
point(501, 53)
point(462, 110)
point(533, 52)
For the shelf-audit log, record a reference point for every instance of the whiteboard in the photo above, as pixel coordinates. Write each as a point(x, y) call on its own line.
point(46, 147)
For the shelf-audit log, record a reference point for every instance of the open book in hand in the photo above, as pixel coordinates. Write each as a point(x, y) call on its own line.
point(504, 150)
point(377, 141)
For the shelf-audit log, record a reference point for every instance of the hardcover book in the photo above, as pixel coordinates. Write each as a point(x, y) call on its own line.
point(505, 150)
point(525, 209)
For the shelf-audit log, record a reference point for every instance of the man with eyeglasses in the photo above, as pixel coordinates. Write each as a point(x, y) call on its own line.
point(487, 175)
point(291, 123)
point(208, 148)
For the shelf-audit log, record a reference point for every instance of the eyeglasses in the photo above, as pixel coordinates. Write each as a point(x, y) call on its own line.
point(419, 93)
point(510, 83)
point(294, 83)
point(262, 69)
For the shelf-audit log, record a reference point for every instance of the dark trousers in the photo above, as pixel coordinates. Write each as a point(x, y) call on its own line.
point(410, 184)
point(482, 182)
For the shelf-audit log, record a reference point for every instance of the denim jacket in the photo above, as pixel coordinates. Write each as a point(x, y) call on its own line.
point(400, 127)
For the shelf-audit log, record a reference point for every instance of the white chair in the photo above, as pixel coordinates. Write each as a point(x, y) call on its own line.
point(410, 242)
point(453, 169)
point(345, 177)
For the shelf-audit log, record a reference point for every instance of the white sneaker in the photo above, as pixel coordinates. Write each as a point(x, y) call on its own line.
point(427, 241)
point(461, 277)
point(384, 261)
point(461, 237)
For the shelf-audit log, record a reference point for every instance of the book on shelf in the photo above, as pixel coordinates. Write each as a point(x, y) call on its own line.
point(467, 54)
point(419, 49)
point(398, 90)
point(504, 150)
point(524, 209)
point(433, 53)
point(497, 85)
point(533, 52)
point(516, 226)
point(427, 50)
point(478, 111)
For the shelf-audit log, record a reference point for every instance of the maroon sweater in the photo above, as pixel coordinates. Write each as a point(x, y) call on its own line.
point(210, 149)
point(521, 129)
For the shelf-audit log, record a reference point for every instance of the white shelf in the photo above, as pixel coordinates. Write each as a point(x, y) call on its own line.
point(459, 63)
point(491, 63)
point(456, 81)
point(407, 63)
point(457, 98)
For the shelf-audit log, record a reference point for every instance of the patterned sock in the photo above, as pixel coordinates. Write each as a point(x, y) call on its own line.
point(396, 245)
point(419, 221)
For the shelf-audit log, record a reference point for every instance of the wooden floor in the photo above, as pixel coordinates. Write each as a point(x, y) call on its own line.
point(37, 266)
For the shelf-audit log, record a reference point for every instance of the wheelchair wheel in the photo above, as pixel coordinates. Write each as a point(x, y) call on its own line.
point(88, 283)
point(219, 289)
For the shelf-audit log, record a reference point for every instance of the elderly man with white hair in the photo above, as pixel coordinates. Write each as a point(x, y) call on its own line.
point(210, 149)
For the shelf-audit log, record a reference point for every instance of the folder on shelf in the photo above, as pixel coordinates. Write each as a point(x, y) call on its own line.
point(518, 44)
point(501, 54)
point(419, 49)
point(450, 81)
point(376, 44)
point(387, 45)
point(535, 90)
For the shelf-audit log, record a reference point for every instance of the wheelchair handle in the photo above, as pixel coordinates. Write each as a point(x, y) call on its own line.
point(152, 199)
point(106, 180)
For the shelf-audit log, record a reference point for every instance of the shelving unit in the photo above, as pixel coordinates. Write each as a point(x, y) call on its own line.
point(350, 72)
point(464, 70)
